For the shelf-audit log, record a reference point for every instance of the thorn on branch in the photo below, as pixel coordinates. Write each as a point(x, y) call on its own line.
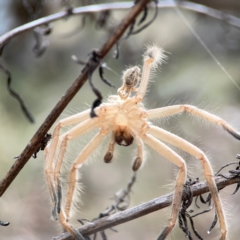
point(16, 95)
point(43, 144)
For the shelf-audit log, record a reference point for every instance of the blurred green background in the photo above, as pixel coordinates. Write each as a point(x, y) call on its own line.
point(190, 76)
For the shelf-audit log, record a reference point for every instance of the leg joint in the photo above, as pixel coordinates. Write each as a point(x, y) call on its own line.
point(188, 108)
point(183, 166)
point(201, 156)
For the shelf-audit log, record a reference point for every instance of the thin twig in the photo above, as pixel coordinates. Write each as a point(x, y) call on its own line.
point(232, 20)
point(35, 142)
point(15, 95)
point(145, 208)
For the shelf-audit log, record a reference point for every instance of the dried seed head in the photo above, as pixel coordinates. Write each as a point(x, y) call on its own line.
point(130, 80)
point(131, 76)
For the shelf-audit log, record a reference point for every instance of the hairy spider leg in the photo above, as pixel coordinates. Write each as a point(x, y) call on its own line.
point(207, 169)
point(175, 109)
point(172, 156)
point(75, 132)
point(92, 145)
point(50, 151)
point(188, 147)
point(125, 117)
point(153, 57)
point(73, 178)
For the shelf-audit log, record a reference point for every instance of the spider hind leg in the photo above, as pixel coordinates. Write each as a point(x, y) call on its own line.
point(109, 154)
point(168, 153)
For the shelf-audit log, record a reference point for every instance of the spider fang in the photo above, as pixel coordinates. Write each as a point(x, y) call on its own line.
point(123, 137)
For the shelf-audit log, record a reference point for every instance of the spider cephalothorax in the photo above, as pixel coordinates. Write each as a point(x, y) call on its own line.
point(124, 117)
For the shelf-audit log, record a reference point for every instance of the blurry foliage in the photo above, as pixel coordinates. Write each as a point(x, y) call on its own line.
point(190, 76)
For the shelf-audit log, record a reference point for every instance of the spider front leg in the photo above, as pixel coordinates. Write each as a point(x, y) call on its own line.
point(175, 109)
point(169, 154)
point(207, 169)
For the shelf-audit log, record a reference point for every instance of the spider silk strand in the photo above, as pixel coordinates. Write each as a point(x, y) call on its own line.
point(180, 14)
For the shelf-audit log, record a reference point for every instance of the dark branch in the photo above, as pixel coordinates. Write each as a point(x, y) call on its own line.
point(146, 208)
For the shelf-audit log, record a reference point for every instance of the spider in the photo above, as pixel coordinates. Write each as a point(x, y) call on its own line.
point(124, 117)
